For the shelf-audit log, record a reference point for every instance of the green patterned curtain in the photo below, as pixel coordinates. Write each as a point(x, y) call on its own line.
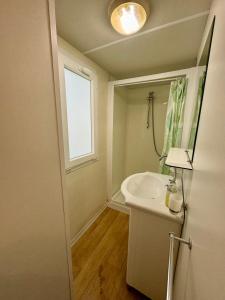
point(196, 112)
point(174, 119)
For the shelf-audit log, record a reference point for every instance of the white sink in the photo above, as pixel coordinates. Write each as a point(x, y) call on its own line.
point(147, 191)
point(144, 185)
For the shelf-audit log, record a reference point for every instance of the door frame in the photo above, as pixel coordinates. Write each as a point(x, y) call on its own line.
point(55, 66)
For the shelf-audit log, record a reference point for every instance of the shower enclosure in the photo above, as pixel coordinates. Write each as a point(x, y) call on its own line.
point(136, 129)
point(133, 145)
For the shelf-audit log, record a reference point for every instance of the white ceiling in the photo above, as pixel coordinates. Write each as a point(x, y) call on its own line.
point(169, 40)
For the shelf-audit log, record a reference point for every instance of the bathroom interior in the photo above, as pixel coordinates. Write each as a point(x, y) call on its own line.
point(128, 145)
point(143, 136)
point(125, 114)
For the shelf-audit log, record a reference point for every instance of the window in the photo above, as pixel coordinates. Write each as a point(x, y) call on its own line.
point(78, 117)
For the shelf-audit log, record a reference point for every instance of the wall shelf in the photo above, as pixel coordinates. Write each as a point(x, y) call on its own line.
point(179, 158)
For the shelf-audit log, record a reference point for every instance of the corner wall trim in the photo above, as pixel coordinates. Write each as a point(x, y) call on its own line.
point(86, 226)
point(122, 208)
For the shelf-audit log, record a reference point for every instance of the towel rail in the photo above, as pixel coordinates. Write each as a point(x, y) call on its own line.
point(170, 278)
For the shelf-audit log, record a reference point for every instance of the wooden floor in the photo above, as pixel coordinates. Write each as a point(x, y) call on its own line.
point(100, 258)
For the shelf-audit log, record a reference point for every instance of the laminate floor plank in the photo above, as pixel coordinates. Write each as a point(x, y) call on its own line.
point(100, 259)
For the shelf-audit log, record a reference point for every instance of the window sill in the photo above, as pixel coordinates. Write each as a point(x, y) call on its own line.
point(81, 165)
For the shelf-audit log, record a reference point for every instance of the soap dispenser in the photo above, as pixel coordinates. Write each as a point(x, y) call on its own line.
point(175, 202)
point(171, 189)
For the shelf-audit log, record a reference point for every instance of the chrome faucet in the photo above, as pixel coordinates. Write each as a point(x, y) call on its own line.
point(173, 180)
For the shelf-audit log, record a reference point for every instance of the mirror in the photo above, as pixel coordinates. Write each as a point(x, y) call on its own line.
point(201, 79)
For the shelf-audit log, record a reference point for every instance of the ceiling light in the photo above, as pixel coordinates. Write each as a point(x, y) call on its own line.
point(128, 17)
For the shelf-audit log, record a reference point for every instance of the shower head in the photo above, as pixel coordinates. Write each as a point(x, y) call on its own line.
point(150, 96)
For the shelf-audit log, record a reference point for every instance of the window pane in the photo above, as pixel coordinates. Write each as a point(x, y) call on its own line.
point(78, 102)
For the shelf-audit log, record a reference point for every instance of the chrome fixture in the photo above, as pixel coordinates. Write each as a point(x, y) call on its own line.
point(173, 180)
point(150, 100)
point(162, 157)
point(170, 278)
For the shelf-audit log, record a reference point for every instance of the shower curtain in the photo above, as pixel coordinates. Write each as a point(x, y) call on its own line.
point(196, 111)
point(174, 119)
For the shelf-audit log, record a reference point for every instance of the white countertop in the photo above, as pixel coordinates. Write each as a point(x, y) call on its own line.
point(154, 206)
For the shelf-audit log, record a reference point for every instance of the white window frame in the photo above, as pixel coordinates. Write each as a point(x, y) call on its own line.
point(71, 65)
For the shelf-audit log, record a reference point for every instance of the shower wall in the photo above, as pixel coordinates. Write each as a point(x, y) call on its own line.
point(119, 137)
point(139, 154)
point(133, 149)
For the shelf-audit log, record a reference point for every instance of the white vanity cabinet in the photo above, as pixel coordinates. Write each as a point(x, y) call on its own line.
point(148, 252)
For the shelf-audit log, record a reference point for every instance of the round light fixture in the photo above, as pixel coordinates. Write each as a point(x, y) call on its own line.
point(128, 17)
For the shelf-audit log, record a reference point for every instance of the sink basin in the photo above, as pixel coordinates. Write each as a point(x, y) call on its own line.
point(147, 191)
point(143, 185)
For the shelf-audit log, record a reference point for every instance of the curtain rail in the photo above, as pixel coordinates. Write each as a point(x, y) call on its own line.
point(169, 79)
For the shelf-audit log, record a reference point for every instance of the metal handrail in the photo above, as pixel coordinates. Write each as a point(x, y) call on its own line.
point(170, 278)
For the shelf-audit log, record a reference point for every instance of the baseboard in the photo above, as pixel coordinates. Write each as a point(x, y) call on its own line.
point(116, 194)
point(119, 207)
point(86, 226)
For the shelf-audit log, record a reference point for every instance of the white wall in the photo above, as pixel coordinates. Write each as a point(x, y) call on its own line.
point(201, 273)
point(33, 255)
point(86, 186)
point(119, 137)
point(140, 155)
